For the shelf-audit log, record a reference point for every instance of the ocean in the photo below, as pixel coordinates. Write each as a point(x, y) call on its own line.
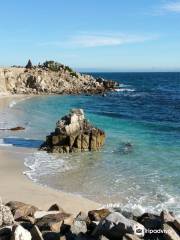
point(139, 165)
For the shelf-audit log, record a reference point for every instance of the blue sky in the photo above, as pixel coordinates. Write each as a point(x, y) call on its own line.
point(110, 35)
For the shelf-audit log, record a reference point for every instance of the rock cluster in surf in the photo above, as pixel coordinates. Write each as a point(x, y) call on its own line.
point(74, 133)
point(21, 221)
point(51, 78)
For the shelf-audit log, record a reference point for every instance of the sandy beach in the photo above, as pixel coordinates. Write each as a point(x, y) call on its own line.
point(15, 185)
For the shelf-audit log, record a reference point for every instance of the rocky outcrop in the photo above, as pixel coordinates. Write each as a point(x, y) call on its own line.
point(20, 209)
point(19, 233)
point(50, 78)
point(101, 224)
point(74, 133)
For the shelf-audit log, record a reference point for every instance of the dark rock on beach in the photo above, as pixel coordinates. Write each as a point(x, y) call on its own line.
point(55, 207)
point(52, 222)
point(150, 221)
point(18, 128)
point(74, 133)
point(115, 225)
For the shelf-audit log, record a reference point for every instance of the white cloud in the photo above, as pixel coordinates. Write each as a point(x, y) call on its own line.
point(107, 40)
point(172, 7)
point(99, 40)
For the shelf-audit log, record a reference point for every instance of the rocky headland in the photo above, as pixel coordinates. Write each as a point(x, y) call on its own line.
point(21, 221)
point(74, 133)
point(51, 78)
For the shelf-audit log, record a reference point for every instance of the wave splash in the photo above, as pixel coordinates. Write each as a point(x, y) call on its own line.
point(40, 164)
point(125, 90)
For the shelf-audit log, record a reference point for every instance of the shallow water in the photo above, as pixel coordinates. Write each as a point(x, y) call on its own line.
point(145, 112)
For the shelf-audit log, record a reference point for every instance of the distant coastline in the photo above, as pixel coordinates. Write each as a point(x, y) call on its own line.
point(51, 78)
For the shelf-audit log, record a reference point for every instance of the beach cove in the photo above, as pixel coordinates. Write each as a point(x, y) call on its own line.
point(116, 174)
point(15, 185)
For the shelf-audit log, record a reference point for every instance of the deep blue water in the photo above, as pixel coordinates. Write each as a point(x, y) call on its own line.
point(145, 112)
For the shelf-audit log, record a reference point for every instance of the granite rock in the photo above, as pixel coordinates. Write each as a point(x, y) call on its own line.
point(74, 133)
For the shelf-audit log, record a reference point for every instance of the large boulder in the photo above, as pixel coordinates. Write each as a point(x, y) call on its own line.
point(170, 233)
point(36, 234)
point(52, 222)
point(97, 215)
point(115, 225)
point(5, 233)
point(78, 227)
point(150, 221)
point(6, 217)
point(19, 233)
point(170, 218)
point(21, 210)
point(74, 133)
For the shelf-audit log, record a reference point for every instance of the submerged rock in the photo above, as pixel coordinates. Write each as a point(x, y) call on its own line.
point(74, 133)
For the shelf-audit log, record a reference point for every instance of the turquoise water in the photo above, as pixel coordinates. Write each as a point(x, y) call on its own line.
point(144, 112)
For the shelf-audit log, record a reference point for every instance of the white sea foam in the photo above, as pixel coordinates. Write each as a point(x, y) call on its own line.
point(12, 103)
point(40, 164)
point(141, 206)
point(125, 90)
point(123, 85)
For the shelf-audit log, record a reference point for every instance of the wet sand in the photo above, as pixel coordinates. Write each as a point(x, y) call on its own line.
point(14, 185)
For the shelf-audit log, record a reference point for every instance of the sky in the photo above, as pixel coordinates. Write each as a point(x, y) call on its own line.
point(94, 35)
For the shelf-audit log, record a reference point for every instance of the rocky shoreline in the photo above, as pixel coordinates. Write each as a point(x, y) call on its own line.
point(21, 221)
point(51, 78)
